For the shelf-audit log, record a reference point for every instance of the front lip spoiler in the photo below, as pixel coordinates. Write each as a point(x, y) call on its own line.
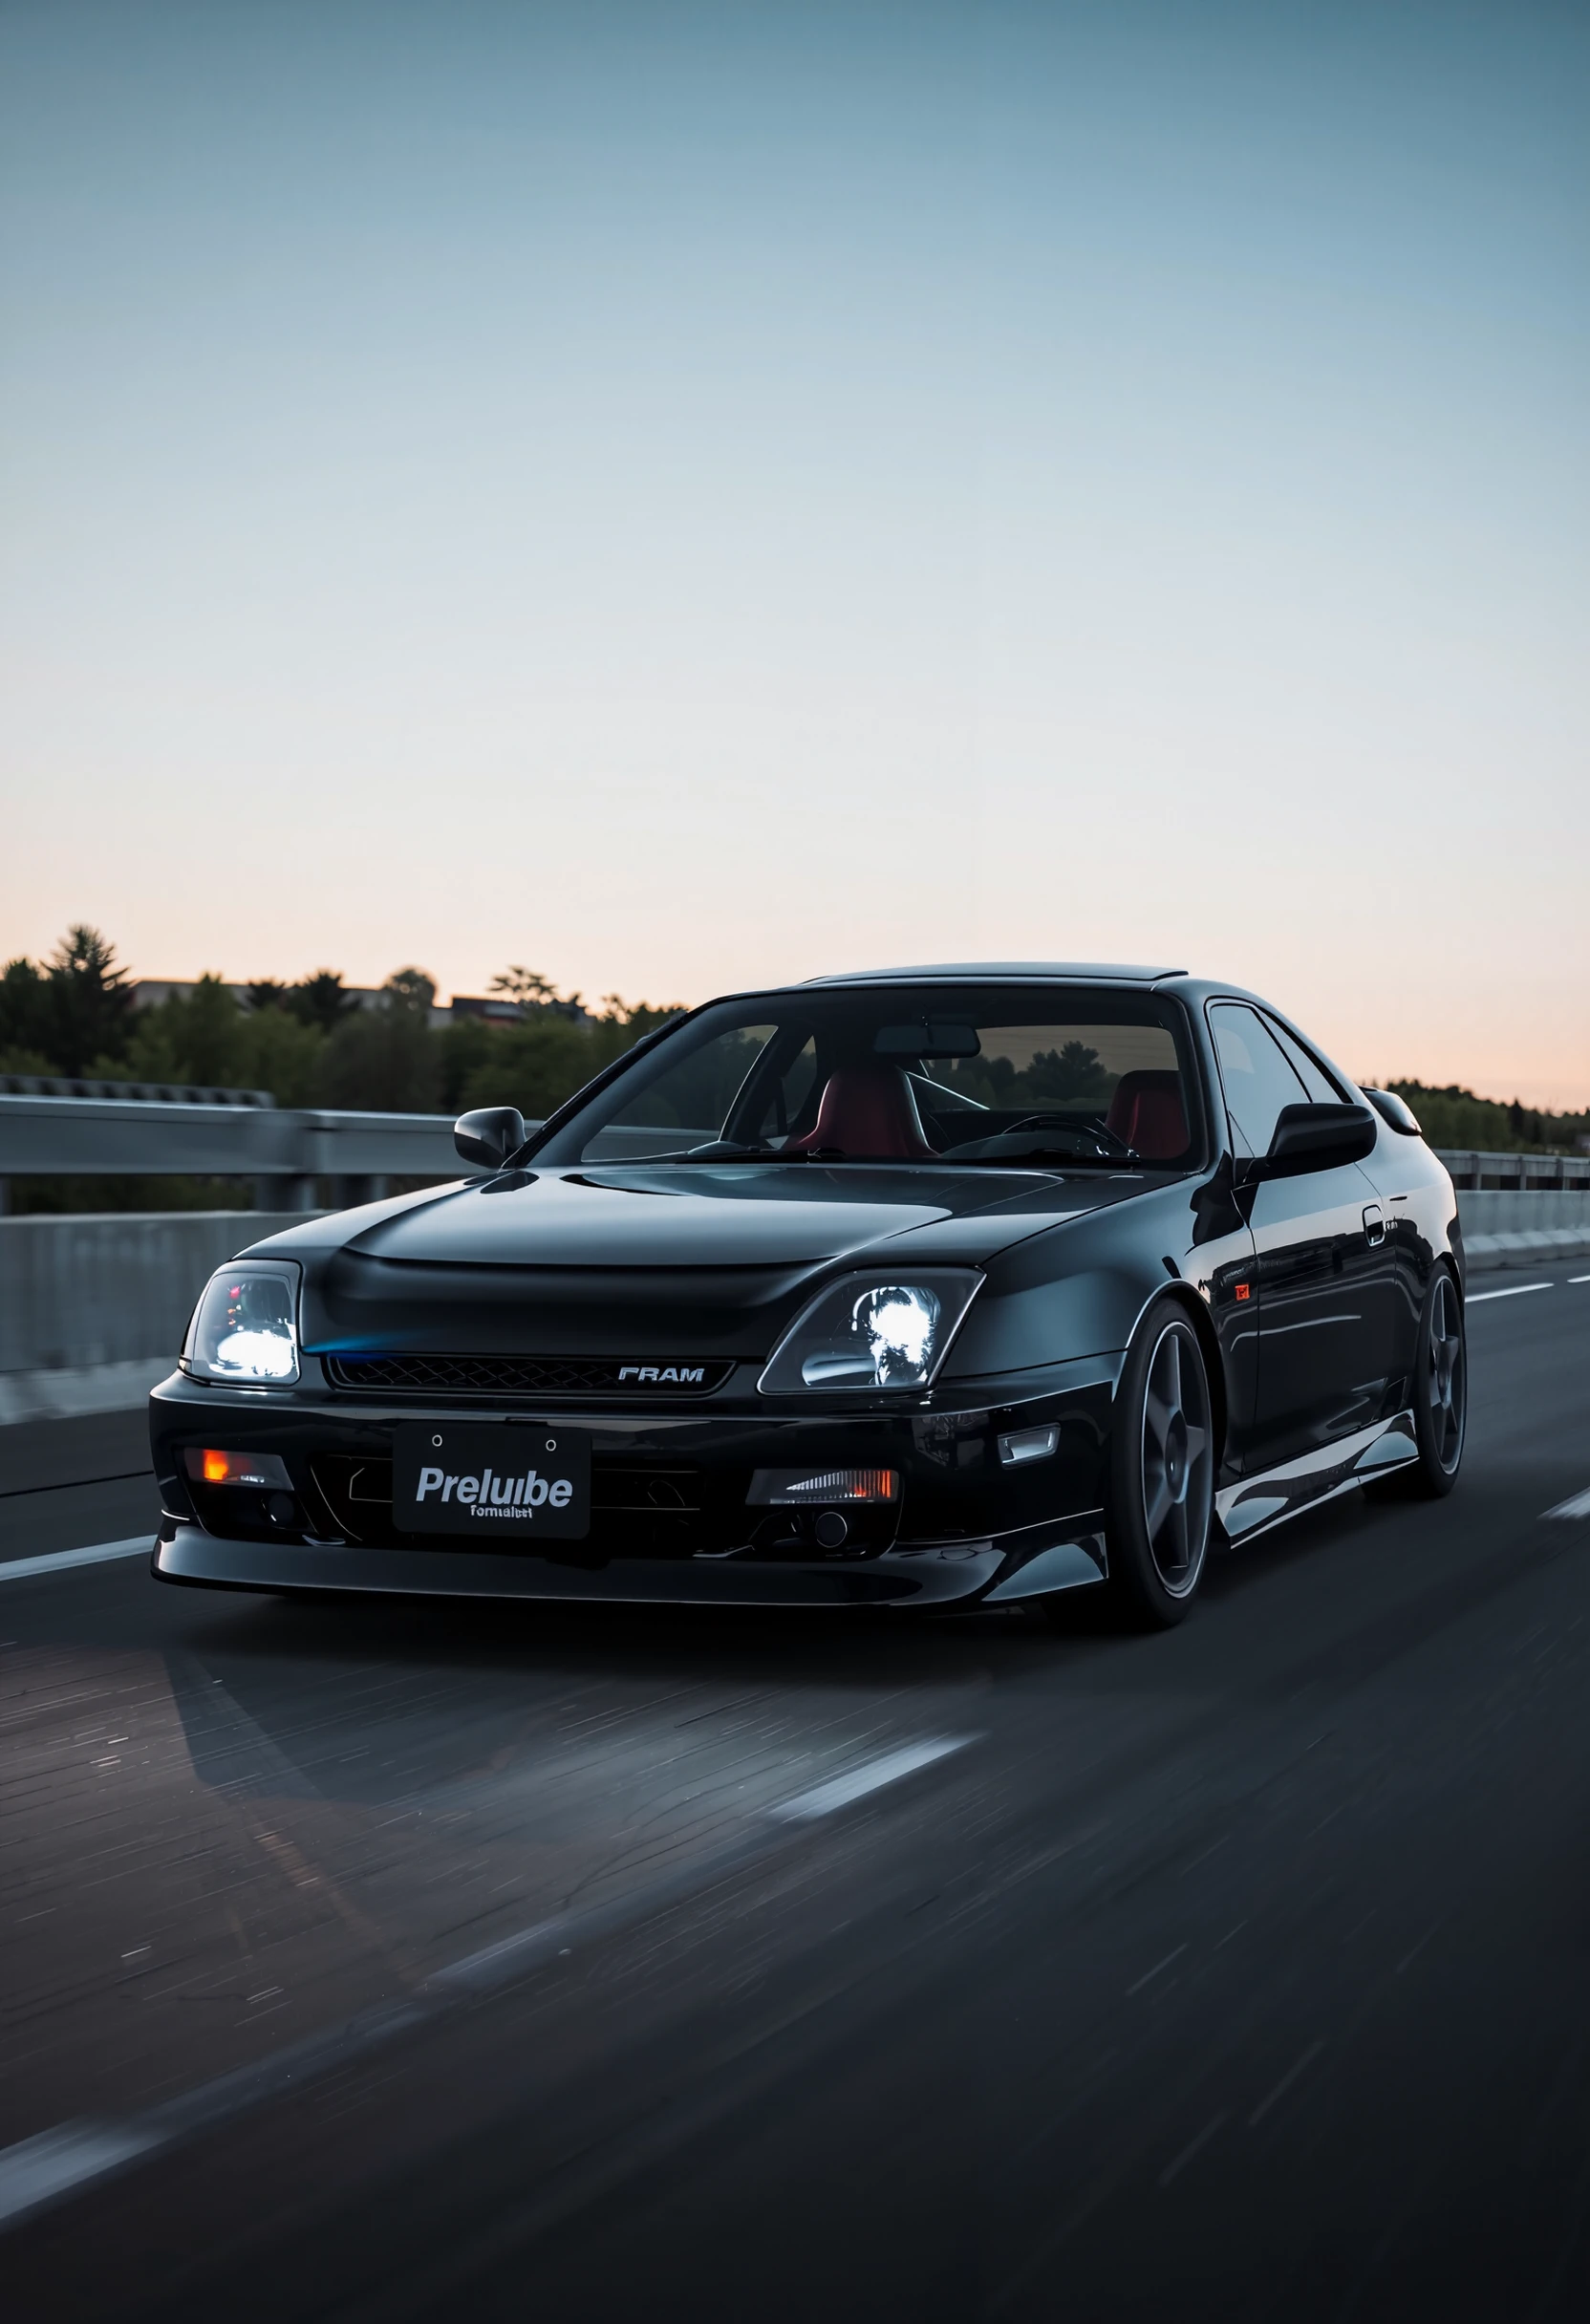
point(939, 1574)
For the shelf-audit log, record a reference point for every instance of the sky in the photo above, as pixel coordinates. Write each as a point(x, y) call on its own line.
point(684, 497)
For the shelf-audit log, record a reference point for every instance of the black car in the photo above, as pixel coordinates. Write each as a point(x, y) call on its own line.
point(904, 1289)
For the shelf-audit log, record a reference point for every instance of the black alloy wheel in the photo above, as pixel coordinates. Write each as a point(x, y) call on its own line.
point(1440, 1398)
point(1162, 1470)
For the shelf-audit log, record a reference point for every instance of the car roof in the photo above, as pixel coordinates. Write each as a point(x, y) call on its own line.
point(1002, 971)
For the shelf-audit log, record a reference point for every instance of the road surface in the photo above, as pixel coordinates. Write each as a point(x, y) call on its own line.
point(371, 1961)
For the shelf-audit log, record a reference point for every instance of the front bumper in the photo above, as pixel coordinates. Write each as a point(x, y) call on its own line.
point(965, 1527)
point(1050, 1559)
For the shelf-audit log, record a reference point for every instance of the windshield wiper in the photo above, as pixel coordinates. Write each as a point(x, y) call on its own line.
point(720, 1151)
point(1052, 1157)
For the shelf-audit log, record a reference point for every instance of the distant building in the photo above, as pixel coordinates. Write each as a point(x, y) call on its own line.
point(150, 990)
point(500, 1011)
point(514, 1012)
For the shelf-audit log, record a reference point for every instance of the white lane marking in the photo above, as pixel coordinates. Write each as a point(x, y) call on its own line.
point(1580, 1279)
point(38, 2169)
point(870, 1777)
point(494, 1964)
point(1578, 1505)
point(1285, 2084)
point(60, 1560)
point(1150, 1975)
point(1513, 1291)
point(1194, 2146)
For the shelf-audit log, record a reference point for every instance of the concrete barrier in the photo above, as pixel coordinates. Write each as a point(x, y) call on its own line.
point(1503, 1229)
point(93, 1307)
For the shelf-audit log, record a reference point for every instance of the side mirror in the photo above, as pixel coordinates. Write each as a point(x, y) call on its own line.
point(1317, 1137)
point(489, 1135)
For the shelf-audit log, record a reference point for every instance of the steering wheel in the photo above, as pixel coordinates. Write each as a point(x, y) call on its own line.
point(1085, 1138)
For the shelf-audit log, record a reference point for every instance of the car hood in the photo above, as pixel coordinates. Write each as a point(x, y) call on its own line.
point(744, 1215)
point(629, 1258)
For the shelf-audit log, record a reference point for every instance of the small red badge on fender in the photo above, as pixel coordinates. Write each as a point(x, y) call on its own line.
point(1244, 1291)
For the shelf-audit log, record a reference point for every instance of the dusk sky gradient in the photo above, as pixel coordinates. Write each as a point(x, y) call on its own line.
point(684, 496)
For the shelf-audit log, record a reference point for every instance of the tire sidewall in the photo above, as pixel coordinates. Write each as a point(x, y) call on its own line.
point(1134, 1577)
point(1432, 1476)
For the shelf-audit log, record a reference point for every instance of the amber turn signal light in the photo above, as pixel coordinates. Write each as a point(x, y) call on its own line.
point(789, 1488)
point(206, 1466)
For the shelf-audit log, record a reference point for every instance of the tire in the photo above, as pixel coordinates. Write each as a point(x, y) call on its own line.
point(1440, 1399)
point(1161, 1511)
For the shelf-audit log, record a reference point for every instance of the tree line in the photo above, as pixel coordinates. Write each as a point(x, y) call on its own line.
point(309, 1043)
point(1455, 1117)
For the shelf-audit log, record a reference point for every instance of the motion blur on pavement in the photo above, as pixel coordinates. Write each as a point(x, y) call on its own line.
point(416, 1960)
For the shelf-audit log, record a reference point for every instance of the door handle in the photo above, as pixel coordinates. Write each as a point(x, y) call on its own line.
point(1374, 1222)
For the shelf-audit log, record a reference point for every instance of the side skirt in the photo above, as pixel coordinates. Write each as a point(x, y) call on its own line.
point(1256, 1503)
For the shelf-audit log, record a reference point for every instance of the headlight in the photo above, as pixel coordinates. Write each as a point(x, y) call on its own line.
point(244, 1329)
point(872, 1332)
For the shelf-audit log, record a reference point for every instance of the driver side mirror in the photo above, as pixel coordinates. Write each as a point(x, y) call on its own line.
point(489, 1135)
point(1316, 1137)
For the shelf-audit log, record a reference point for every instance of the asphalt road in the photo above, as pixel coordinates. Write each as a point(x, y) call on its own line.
point(381, 1962)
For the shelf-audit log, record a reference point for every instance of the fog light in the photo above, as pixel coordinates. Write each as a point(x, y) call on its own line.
point(208, 1466)
point(792, 1488)
point(1029, 1444)
point(831, 1530)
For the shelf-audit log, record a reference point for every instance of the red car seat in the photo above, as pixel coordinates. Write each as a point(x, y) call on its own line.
point(868, 1109)
point(1147, 1114)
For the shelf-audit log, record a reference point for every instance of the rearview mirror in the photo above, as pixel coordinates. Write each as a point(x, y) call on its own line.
point(489, 1135)
point(1317, 1137)
point(926, 1040)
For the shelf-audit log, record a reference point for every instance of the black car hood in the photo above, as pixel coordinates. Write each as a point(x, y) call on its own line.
point(631, 1259)
point(741, 1215)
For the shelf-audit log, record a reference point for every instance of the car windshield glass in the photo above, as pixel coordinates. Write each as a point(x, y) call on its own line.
point(1046, 1075)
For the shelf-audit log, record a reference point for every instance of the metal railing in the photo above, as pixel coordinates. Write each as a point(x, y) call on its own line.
point(1517, 1173)
point(285, 1152)
point(170, 1093)
point(85, 1129)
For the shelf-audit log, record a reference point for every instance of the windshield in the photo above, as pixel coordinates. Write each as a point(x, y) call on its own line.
point(1047, 1075)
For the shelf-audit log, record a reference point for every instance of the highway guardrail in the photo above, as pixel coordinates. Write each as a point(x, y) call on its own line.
point(285, 1152)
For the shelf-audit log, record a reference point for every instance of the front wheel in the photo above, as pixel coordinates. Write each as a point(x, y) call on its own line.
point(1162, 1470)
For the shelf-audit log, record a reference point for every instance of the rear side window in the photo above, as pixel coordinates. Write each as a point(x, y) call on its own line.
point(1321, 1090)
point(1255, 1076)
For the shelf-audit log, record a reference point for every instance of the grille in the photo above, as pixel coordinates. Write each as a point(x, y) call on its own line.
point(519, 1375)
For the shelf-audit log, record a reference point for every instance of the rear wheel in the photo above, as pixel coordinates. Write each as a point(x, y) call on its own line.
point(1440, 1397)
point(1162, 1470)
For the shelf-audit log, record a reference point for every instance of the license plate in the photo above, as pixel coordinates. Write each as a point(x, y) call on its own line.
point(501, 1485)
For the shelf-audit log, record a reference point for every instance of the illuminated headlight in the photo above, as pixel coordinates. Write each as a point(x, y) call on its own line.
point(867, 1332)
point(244, 1329)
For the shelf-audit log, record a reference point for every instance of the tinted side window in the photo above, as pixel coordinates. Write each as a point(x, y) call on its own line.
point(1321, 1091)
point(1258, 1081)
